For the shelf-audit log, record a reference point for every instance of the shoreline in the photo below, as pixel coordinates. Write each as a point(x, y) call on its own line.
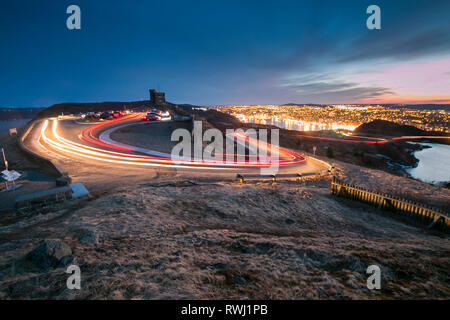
point(421, 172)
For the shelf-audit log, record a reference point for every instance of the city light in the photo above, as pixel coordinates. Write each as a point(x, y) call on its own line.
point(338, 117)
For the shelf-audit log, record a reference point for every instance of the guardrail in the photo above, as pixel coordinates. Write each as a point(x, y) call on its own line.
point(277, 177)
point(432, 217)
point(43, 198)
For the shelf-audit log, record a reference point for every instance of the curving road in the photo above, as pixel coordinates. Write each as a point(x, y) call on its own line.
point(91, 150)
point(372, 140)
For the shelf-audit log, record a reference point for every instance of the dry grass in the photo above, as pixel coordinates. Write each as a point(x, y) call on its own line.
point(178, 240)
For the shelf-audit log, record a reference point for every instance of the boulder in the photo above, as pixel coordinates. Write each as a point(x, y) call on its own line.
point(50, 254)
point(89, 237)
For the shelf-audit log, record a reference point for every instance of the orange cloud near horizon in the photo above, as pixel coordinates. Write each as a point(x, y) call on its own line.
point(407, 100)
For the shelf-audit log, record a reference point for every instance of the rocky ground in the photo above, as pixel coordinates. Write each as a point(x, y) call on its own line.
point(179, 239)
point(164, 236)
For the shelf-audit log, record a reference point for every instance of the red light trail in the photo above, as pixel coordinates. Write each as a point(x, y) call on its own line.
point(380, 140)
point(287, 157)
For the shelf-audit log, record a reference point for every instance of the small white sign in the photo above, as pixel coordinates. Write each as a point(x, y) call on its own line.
point(10, 175)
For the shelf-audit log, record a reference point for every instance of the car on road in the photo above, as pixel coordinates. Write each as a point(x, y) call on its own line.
point(152, 116)
point(106, 115)
point(89, 116)
point(116, 114)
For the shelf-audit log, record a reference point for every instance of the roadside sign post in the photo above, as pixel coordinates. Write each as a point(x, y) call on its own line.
point(4, 159)
point(314, 150)
point(11, 176)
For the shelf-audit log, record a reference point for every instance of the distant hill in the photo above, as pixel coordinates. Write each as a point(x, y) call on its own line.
point(74, 108)
point(387, 128)
point(185, 109)
point(303, 104)
point(7, 114)
point(188, 105)
point(427, 106)
point(388, 105)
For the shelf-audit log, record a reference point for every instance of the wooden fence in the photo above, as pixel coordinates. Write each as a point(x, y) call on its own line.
point(279, 177)
point(433, 218)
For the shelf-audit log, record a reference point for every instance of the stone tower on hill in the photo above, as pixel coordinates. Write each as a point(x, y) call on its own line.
point(157, 99)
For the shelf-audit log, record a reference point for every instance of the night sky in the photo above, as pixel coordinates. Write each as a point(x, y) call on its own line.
point(224, 52)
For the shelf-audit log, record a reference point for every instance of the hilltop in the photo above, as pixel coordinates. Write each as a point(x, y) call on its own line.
point(388, 128)
point(18, 113)
point(74, 108)
point(386, 105)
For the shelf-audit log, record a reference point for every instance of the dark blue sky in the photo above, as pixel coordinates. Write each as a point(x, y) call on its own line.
point(224, 52)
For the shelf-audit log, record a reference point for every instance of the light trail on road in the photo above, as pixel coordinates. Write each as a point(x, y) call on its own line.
point(293, 158)
point(69, 147)
point(379, 140)
point(66, 146)
point(419, 137)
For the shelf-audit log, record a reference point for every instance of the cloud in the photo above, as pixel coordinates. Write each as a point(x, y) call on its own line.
point(323, 88)
point(401, 46)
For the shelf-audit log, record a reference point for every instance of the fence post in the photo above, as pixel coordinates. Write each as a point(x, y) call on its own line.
point(405, 207)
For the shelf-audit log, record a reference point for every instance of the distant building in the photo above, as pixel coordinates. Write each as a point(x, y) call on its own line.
point(157, 99)
point(12, 131)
